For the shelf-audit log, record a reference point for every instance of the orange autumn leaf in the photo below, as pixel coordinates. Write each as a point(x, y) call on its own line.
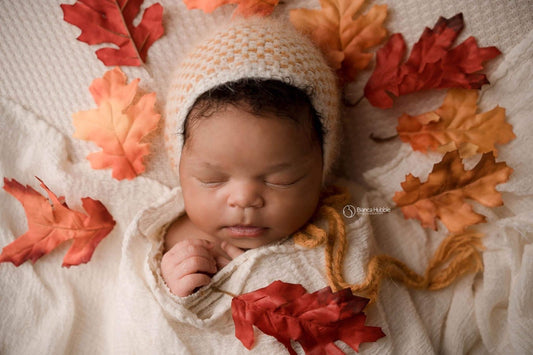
point(343, 35)
point(245, 8)
point(457, 125)
point(448, 185)
point(51, 222)
point(118, 125)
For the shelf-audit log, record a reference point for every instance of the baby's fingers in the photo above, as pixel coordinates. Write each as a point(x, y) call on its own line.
point(231, 249)
point(195, 265)
point(232, 252)
point(189, 283)
point(187, 248)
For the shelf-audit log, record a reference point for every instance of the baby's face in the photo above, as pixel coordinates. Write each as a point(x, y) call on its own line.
point(249, 180)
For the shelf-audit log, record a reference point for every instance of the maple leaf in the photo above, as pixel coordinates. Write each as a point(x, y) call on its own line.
point(431, 64)
point(245, 8)
point(118, 124)
point(51, 222)
point(287, 312)
point(448, 185)
point(456, 125)
point(342, 35)
point(104, 21)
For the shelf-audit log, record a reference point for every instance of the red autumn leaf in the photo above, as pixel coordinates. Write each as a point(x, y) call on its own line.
point(119, 125)
point(51, 222)
point(431, 64)
point(448, 185)
point(246, 8)
point(315, 320)
point(104, 21)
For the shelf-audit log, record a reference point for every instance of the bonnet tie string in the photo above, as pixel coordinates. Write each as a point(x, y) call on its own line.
point(456, 255)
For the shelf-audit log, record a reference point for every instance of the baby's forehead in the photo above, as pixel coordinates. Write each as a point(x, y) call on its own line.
point(238, 124)
point(233, 139)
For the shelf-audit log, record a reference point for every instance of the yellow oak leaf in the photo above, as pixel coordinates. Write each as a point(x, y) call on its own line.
point(456, 125)
point(448, 185)
point(342, 34)
point(119, 124)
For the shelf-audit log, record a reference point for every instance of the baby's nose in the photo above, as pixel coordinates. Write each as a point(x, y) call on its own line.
point(245, 195)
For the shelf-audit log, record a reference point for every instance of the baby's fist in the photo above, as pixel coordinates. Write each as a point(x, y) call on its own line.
point(188, 266)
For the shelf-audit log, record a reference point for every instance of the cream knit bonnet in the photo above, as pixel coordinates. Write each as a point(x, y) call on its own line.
point(253, 48)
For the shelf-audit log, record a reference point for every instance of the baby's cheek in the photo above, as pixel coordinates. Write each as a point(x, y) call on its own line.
point(294, 213)
point(197, 205)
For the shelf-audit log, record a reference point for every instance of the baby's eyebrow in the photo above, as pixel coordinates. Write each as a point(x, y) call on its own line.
point(273, 167)
point(209, 165)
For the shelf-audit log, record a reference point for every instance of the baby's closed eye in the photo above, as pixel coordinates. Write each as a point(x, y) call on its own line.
point(211, 180)
point(283, 182)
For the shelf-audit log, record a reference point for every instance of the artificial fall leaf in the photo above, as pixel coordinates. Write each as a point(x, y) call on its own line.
point(51, 222)
point(315, 320)
point(104, 21)
point(431, 64)
point(342, 34)
point(246, 8)
point(118, 125)
point(448, 185)
point(456, 125)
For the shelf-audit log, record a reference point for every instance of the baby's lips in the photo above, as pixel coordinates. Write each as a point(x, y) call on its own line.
point(246, 231)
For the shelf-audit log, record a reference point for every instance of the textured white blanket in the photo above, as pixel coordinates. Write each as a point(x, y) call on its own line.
point(117, 304)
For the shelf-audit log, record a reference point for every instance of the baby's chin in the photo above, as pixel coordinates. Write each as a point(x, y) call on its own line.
point(246, 243)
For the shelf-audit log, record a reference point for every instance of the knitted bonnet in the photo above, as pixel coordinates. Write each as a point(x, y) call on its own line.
point(253, 48)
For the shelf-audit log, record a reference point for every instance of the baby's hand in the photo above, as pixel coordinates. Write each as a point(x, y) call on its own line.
point(190, 263)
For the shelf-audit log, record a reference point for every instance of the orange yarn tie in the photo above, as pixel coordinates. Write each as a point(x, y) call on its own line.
point(455, 256)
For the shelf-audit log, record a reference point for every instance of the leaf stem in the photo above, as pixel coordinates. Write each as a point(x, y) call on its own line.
point(147, 69)
point(224, 291)
point(349, 103)
point(128, 32)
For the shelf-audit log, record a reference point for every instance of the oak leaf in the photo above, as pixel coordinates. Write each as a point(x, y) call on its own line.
point(51, 222)
point(104, 21)
point(245, 8)
point(118, 125)
point(432, 63)
point(342, 33)
point(315, 320)
point(448, 185)
point(456, 125)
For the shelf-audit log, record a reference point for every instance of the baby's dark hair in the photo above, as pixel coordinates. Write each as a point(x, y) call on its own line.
point(259, 96)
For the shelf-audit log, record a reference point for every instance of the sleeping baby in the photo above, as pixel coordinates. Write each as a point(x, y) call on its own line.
point(252, 128)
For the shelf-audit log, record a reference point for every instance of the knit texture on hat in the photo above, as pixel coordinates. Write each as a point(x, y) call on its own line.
point(254, 48)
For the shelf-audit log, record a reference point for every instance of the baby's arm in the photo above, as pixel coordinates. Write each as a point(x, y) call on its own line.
point(191, 260)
